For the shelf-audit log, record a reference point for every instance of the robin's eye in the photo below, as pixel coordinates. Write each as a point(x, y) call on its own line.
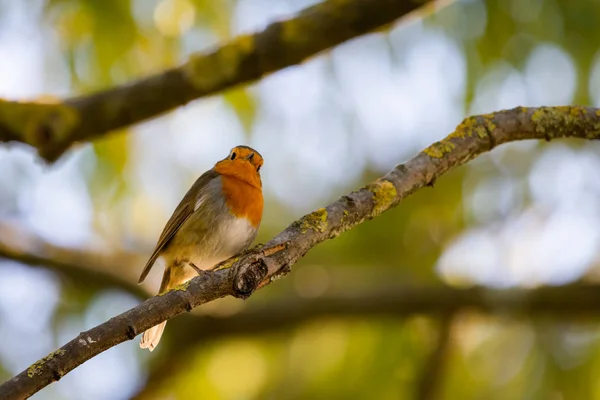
point(233, 155)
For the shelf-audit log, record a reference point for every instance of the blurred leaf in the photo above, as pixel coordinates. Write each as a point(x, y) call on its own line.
point(217, 15)
point(244, 106)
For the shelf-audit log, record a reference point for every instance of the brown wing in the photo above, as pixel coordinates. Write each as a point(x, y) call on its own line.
point(181, 213)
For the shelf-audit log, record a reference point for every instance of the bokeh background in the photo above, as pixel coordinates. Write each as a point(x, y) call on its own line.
point(525, 215)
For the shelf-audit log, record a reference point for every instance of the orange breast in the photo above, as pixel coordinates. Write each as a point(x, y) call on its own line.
point(243, 199)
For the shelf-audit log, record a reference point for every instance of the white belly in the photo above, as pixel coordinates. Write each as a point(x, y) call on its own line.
point(231, 237)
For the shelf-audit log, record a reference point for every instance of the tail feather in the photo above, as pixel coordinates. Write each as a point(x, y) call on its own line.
point(152, 336)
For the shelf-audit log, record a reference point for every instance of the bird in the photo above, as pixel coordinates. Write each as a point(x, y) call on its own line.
point(217, 218)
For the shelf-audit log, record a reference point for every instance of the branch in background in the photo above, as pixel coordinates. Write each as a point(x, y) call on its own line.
point(573, 301)
point(258, 267)
point(53, 128)
point(95, 269)
point(399, 301)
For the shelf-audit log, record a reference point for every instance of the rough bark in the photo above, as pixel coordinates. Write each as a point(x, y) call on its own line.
point(53, 127)
point(240, 276)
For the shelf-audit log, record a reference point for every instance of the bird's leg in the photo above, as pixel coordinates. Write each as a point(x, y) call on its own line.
point(198, 270)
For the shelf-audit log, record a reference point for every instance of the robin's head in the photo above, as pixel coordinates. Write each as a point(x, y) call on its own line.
point(243, 163)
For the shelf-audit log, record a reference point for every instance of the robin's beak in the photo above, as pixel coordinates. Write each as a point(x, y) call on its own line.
point(250, 157)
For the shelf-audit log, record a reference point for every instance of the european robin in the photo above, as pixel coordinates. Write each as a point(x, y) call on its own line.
point(217, 218)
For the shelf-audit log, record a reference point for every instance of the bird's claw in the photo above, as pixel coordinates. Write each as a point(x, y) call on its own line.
point(198, 270)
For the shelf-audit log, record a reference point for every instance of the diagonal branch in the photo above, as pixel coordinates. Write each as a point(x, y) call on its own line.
point(53, 128)
point(258, 267)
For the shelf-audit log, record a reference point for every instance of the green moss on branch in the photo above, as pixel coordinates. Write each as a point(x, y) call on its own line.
point(384, 195)
point(36, 368)
point(316, 221)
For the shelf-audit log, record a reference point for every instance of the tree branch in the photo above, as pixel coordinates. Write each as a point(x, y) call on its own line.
point(53, 128)
point(94, 269)
point(241, 275)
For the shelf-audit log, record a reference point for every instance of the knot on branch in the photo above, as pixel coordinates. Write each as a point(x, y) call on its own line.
point(131, 332)
point(249, 277)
